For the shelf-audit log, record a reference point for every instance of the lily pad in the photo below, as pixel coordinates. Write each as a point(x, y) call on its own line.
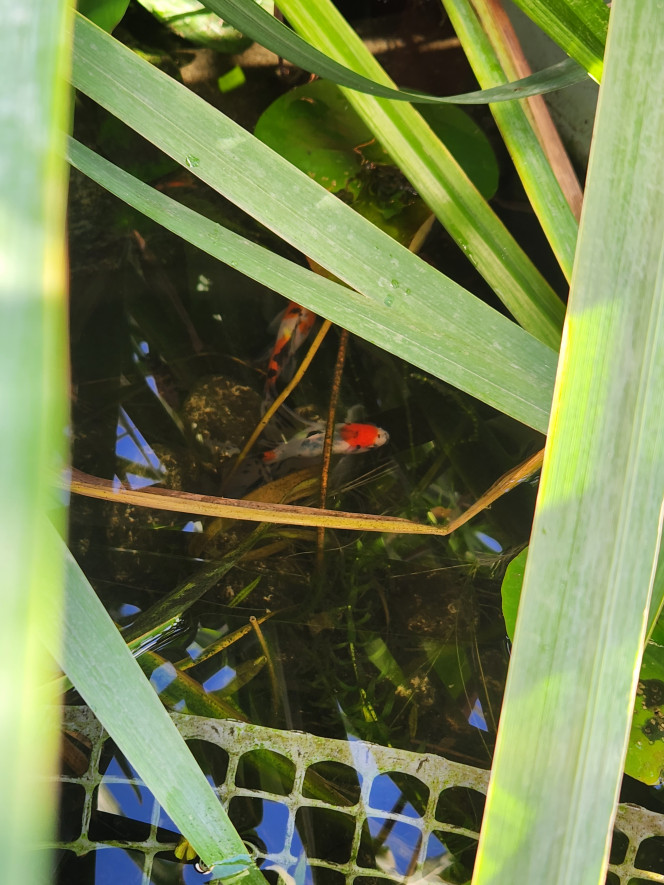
point(467, 143)
point(511, 590)
point(192, 21)
point(317, 130)
point(105, 13)
point(645, 750)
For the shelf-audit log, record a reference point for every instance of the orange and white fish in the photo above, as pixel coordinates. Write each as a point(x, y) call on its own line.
point(294, 327)
point(348, 439)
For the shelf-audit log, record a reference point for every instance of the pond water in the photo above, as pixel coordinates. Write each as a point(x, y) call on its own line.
point(393, 639)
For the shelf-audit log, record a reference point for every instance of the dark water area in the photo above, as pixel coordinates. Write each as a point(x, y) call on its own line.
point(169, 351)
point(392, 639)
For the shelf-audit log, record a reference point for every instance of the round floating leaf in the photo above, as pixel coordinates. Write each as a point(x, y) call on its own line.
point(105, 13)
point(316, 129)
point(645, 751)
point(511, 590)
point(467, 143)
point(192, 21)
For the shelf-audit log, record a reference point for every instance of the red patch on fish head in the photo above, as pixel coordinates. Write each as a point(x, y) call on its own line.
point(362, 436)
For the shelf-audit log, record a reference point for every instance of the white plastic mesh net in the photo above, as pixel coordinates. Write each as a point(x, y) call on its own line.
point(407, 817)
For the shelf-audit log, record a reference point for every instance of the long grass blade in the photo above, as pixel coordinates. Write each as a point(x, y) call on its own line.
point(582, 618)
point(506, 44)
point(129, 709)
point(577, 26)
point(437, 177)
point(425, 318)
point(34, 114)
point(512, 119)
point(257, 23)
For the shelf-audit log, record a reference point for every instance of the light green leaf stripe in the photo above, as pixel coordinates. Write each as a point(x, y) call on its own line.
point(530, 161)
point(435, 174)
point(257, 23)
point(34, 114)
point(582, 618)
point(113, 685)
point(401, 300)
point(577, 26)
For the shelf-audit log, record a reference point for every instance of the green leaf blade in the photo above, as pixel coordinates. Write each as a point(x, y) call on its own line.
point(434, 173)
point(582, 620)
point(531, 163)
point(475, 348)
point(127, 699)
point(34, 114)
point(274, 35)
point(578, 27)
